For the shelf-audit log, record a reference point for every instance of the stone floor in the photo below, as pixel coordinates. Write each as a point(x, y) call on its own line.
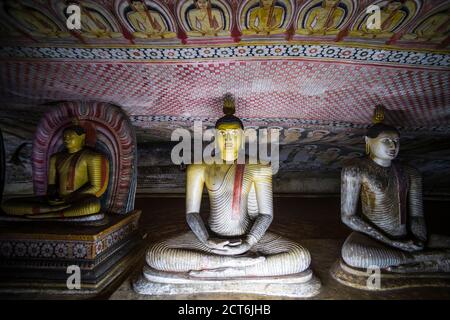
point(313, 222)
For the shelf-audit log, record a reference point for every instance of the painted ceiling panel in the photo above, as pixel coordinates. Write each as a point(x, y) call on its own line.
point(302, 89)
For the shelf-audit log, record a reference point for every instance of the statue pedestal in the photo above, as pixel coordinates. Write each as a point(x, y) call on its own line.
point(362, 279)
point(154, 282)
point(34, 257)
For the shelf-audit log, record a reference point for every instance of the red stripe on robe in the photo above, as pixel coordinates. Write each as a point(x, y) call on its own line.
point(237, 191)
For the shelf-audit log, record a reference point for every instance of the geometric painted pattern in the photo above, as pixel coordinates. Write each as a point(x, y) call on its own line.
point(344, 53)
point(285, 89)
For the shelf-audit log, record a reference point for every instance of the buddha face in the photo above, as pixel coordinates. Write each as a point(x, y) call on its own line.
point(267, 3)
point(138, 6)
point(229, 140)
point(73, 141)
point(393, 6)
point(385, 147)
point(202, 4)
point(330, 3)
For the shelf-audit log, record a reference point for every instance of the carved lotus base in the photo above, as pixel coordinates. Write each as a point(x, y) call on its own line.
point(154, 282)
point(365, 279)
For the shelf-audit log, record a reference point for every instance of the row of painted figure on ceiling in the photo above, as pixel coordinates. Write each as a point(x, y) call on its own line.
point(222, 21)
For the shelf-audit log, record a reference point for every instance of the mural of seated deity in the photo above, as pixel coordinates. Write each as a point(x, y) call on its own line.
point(74, 170)
point(390, 234)
point(265, 17)
point(394, 15)
point(435, 27)
point(146, 20)
point(97, 23)
point(205, 18)
point(324, 17)
point(234, 251)
point(33, 20)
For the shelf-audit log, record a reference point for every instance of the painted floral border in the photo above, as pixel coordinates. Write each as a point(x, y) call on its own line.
point(249, 51)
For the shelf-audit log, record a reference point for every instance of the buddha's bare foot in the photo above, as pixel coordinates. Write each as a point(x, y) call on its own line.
point(218, 273)
point(239, 262)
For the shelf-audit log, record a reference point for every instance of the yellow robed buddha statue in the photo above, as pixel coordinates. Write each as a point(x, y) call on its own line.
point(323, 20)
point(205, 20)
point(265, 19)
point(37, 23)
point(391, 16)
point(147, 24)
point(77, 178)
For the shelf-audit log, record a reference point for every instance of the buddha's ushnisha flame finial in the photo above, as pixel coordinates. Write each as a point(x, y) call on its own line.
point(378, 114)
point(229, 106)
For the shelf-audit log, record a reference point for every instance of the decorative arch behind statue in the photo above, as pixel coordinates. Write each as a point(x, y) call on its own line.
point(109, 131)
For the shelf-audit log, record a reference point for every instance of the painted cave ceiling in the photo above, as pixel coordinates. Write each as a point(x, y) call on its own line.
point(314, 70)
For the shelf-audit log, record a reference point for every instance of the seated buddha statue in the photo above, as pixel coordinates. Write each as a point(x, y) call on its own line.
point(391, 16)
point(37, 23)
point(323, 20)
point(391, 232)
point(147, 24)
point(95, 26)
point(234, 242)
point(77, 178)
point(435, 28)
point(265, 19)
point(205, 20)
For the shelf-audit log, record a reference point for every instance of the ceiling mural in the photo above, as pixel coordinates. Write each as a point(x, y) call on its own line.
point(311, 68)
point(402, 24)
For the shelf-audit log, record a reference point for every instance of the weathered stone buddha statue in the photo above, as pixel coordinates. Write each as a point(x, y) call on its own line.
point(323, 20)
point(77, 178)
point(234, 243)
point(147, 23)
point(265, 19)
point(390, 233)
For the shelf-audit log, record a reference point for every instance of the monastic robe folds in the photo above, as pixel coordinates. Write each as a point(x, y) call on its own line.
point(233, 203)
point(85, 168)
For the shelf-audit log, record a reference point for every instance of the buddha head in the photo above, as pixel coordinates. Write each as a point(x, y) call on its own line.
point(74, 138)
point(393, 6)
point(138, 5)
point(202, 4)
point(229, 132)
point(330, 3)
point(382, 141)
point(266, 3)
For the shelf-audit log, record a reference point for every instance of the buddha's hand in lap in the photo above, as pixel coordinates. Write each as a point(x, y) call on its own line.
point(233, 248)
point(409, 245)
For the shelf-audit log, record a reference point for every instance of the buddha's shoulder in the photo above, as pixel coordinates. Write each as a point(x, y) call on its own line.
point(92, 153)
point(356, 166)
point(259, 168)
point(197, 167)
point(408, 169)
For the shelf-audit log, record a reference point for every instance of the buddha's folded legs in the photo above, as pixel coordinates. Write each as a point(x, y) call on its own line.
point(29, 206)
point(272, 256)
point(87, 206)
point(360, 251)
